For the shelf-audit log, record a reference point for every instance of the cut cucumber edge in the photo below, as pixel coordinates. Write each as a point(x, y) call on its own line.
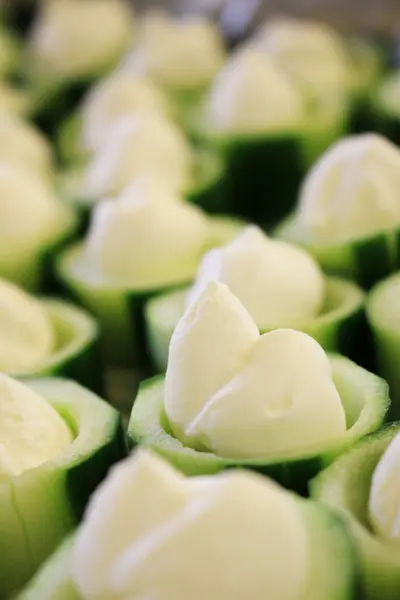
point(344, 487)
point(343, 301)
point(42, 505)
point(54, 580)
point(75, 330)
point(332, 576)
point(366, 259)
point(365, 399)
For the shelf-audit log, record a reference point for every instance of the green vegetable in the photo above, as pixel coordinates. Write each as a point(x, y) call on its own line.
point(76, 354)
point(345, 487)
point(365, 400)
point(120, 310)
point(41, 506)
point(54, 580)
point(383, 312)
point(329, 545)
point(385, 107)
point(338, 328)
point(263, 173)
point(365, 259)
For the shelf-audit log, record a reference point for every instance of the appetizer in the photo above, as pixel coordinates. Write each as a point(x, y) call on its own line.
point(254, 115)
point(232, 536)
point(348, 215)
point(279, 284)
point(47, 337)
point(34, 221)
point(71, 44)
point(232, 397)
point(145, 241)
point(57, 441)
point(316, 58)
point(362, 485)
point(182, 55)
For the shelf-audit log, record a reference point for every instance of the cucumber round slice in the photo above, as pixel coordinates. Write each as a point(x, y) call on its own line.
point(365, 400)
point(76, 354)
point(40, 506)
point(263, 173)
point(365, 259)
point(345, 487)
point(383, 313)
point(338, 328)
point(333, 570)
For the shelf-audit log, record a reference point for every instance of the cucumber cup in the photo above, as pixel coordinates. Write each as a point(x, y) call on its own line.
point(382, 313)
point(365, 400)
point(40, 506)
point(329, 571)
point(338, 328)
point(333, 222)
point(76, 354)
point(241, 412)
point(118, 301)
point(89, 44)
point(345, 487)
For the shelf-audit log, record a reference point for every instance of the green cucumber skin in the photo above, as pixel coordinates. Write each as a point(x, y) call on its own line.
point(148, 426)
point(387, 125)
point(344, 487)
point(365, 261)
point(212, 198)
point(361, 117)
point(328, 537)
point(41, 506)
point(263, 177)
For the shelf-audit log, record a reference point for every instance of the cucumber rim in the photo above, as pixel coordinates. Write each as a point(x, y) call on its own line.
point(349, 257)
point(379, 300)
point(74, 330)
point(365, 412)
point(336, 487)
point(346, 297)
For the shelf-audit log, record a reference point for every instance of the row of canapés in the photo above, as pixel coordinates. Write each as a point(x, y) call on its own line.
point(186, 514)
point(242, 342)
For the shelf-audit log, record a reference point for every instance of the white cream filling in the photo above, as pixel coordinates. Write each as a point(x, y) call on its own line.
point(151, 533)
point(138, 144)
point(117, 96)
point(353, 189)
point(13, 101)
point(26, 332)
point(21, 143)
point(252, 95)
point(311, 52)
point(242, 395)
point(31, 431)
point(146, 235)
point(31, 214)
point(71, 38)
point(384, 499)
point(278, 283)
point(179, 54)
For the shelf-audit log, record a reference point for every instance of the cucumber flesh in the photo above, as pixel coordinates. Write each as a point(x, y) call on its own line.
point(345, 487)
point(332, 573)
point(364, 259)
point(41, 506)
point(383, 314)
point(338, 328)
point(54, 580)
point(76, 351)
point(365, 400)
